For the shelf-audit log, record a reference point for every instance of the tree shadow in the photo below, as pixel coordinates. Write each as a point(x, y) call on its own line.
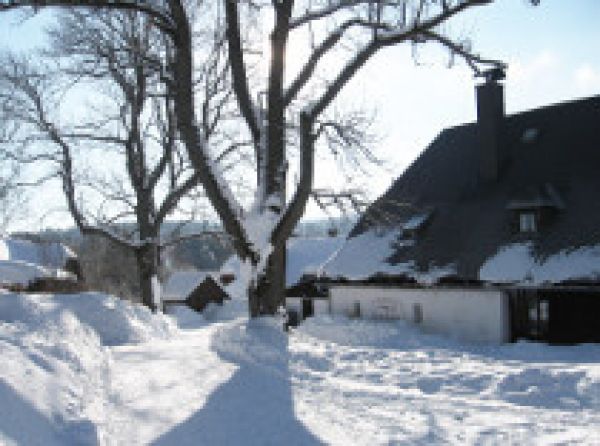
point(23, 423)
point(255, 406)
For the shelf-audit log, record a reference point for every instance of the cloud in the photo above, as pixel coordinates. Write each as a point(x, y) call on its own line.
point(534, 68)
point(587, 78)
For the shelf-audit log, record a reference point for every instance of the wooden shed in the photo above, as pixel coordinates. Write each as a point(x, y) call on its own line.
point(192, 288)
point(208, 291)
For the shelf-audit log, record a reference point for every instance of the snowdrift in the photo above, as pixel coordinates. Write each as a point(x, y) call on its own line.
point(55, 365)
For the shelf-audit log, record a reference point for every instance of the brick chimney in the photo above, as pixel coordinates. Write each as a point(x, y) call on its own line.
point(490, 123)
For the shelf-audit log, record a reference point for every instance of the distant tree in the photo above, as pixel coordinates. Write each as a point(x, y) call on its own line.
point(12, 200)
point(361, 27)
point(123, 55)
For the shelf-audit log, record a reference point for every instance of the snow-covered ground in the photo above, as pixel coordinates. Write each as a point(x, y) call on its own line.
point(89, 369)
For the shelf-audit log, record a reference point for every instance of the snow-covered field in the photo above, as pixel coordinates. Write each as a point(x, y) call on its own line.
point(89, 369)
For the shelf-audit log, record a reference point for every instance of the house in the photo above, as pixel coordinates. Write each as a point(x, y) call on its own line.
point(306, 298)
point(507, 204)
point(505, 199)
point(39, 266)
point(475, 314)
point(193, 288)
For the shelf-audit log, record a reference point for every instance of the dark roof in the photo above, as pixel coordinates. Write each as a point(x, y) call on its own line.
point(552, 160)
point(208, 291)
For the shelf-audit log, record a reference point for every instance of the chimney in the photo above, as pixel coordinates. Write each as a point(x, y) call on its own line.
point(490, 122)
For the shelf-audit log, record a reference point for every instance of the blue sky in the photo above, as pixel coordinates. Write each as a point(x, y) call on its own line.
point(553, 52)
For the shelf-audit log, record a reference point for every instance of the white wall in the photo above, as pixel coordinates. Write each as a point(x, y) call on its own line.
point(321, 306)
point(478, 315)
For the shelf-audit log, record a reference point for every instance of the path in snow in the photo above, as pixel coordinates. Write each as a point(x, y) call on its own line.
point(350, 382)
point(159, 384)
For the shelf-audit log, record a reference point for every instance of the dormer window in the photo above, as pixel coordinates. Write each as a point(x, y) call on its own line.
point(527, 222)
point(534, 207)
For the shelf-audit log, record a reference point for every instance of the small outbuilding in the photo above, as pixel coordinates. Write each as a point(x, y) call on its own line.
point(209, 291)
point(193, 288)
point(39, 266)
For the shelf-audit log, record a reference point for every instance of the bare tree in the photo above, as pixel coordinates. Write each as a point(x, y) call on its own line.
point(12, 200)
point(362, 26)
point(125, 55)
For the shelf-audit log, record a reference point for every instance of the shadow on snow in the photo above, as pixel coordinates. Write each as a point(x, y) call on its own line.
point(255, 406)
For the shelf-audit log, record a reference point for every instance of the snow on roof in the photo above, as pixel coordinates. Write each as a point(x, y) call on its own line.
point(367, 254)
point(180, 284)
point(416, 221)
point(515, 263)
point(47, 254)
point(307, 255)
point(21, 273)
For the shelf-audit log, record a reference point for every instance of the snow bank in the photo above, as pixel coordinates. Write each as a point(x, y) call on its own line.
point(113, 320)
point(364, 332)
point(54, 377)
point(257, 342)
point(516, 263)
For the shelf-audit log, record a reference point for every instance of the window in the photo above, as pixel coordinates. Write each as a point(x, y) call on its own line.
point(417, 313)
point(527, 222)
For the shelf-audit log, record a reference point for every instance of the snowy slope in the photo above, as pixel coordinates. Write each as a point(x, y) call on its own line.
point(180, 284)
point(304, 255)
point(93, 370)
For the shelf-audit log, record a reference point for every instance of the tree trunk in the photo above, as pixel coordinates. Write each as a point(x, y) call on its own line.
point(268, 293)
point(148, 263)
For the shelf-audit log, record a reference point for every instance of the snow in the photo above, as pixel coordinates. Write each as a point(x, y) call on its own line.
point(22, 261)
point(307, 255)
point(156, 291)
point(54, 383)
point(51, 255)
point(181, 283)
point(304, 255)
point(365, 255)
point(368, 253)
point(90, 369)
point(20, 273)
point(416, 221)
point(516, 263)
